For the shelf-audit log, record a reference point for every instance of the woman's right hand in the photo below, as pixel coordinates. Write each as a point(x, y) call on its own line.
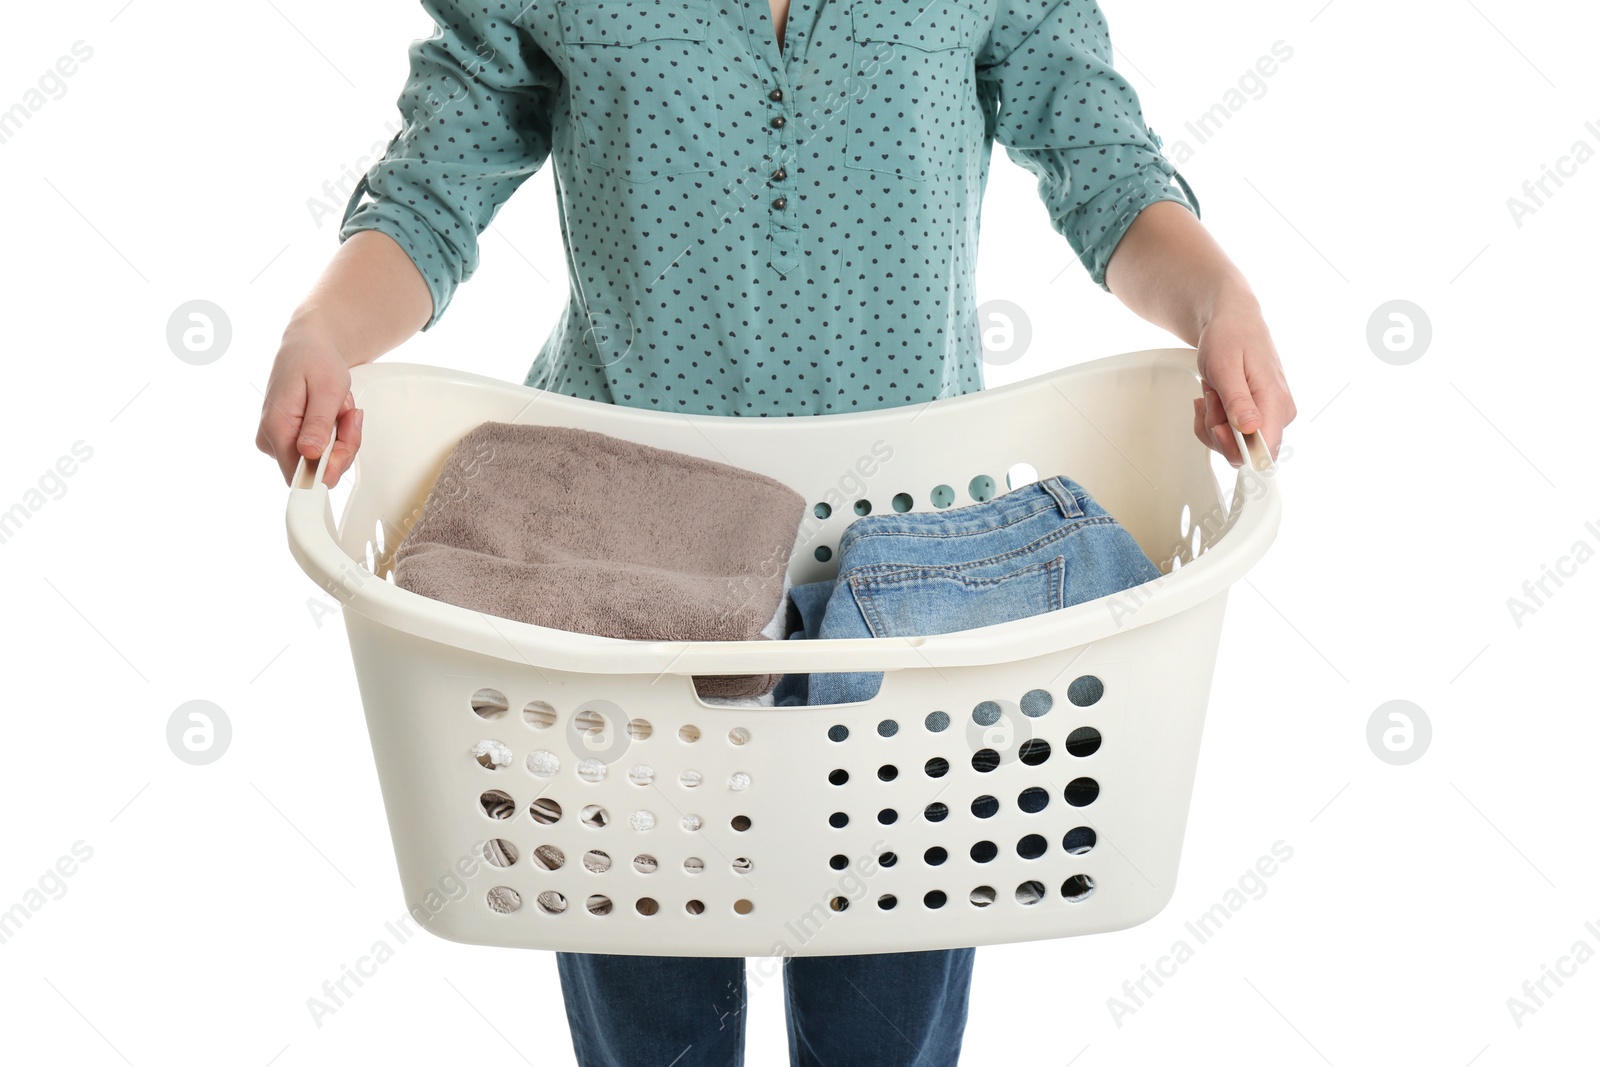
point(308, 395)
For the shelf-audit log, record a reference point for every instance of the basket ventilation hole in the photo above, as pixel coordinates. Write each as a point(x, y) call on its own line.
point(863, 507)
point(822, 511)
point(738, 781)
point(738, 736)
point(1084, 741)
point(935, 856)
point(639, 729)
point(934, 898)
point(985, 807)
point(689, 779)
point(593, 815)
point(549, 858)
point(599, 904)
point(888, 728)
point(694, 865)
point(490, 703)
point(887, 859)
point(1034, 751)
point(743, 907)
point(1030, 892)
point(886, 901)
point(596, 861)
point(492, 754)
point(543, 763)
point(497, 805)
point(936, 812)
point(642, 820)
point(504, 899)
point(1085, 690)
point(982, 896)
point(1033, 799)
point(690, 822)
point(591, 723)
point(645, 863)
point(1183, 521)
point(551, 903)
point(888, 772)
point(839, 776)
point(1077, 888)
point(740, 823)
point(591, 769)
point(986, 713)
point(839, 820)
point(839, 903)
point(985, 760)
point(688, 734)
point(694, 907)
point(942, 496)
point(1021, 474)
point(1031, 847)
point(937, 767)
point(1079, 839)
point(838, 732)
point(500, 852)
point(545, 811)
point(646, 906)
point(1036, 702)
point(1196, 545)
point(641, 774)
point(539, 715)
point(839, 862)
point(902, 502)
point(984, 851)
point(936, 722)
point(1081, 791)
point(742, 865)
point(887, 816)
point(981, 488)
point(823, 553)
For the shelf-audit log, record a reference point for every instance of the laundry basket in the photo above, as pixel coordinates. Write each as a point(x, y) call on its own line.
point(1016, 782)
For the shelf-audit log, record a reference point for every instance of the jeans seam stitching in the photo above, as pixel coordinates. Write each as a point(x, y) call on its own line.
point(868, 569)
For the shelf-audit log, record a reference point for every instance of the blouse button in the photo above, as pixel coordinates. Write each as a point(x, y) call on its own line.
point(780, 203)
point(777, 121)
point(776, 94)
point(779, 174)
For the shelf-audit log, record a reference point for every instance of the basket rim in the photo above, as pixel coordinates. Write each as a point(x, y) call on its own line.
point(1249, 529)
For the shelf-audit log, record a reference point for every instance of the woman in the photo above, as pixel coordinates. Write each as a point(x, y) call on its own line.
point(769, 208)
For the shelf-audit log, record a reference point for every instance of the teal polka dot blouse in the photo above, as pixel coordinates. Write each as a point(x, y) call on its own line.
point(753, 230)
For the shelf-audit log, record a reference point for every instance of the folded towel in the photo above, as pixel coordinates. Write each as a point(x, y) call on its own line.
point(584, 531)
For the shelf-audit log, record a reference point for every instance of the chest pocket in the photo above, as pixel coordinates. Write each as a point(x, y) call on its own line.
point(911, 86)
point(639, 84)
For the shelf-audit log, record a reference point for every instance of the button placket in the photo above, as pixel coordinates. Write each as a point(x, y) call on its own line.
point(782, 240)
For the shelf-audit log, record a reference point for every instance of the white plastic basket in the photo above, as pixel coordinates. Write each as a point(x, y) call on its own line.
point(775, 874)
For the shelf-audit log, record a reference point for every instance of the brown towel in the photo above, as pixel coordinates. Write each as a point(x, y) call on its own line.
point(587, 532)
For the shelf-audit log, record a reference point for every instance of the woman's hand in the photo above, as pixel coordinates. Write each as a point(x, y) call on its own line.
point(308, 394)
point(1170, 271)
point(1242, 380)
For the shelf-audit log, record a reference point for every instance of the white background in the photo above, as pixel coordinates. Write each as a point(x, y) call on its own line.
point(1376, 165)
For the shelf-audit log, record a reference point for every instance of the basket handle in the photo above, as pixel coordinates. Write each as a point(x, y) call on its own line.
point(1253, 449)
point(300, 480)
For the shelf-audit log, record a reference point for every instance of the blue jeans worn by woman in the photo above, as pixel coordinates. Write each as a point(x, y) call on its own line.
point(1037, 548)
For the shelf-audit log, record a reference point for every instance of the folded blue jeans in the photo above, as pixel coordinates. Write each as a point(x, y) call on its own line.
point(1038, 548)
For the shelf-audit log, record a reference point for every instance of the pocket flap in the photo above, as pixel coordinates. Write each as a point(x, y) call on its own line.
point(926, 25)
point(626, 22)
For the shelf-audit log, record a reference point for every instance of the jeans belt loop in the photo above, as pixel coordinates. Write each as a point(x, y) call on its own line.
point(1063, 497)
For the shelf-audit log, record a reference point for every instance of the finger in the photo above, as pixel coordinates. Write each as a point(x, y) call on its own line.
point(1202, 432)
point(347, 442)
point(1217, 422)
point(281, 412)
point(323, 405)
point(1227, 376)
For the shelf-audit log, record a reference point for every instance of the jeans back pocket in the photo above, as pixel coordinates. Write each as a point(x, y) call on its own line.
point(639, 86)
point(912, 95)
point(918, 601)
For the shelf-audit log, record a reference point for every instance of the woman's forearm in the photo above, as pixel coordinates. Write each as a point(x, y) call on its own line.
point(369, 299)
point(1169, 270)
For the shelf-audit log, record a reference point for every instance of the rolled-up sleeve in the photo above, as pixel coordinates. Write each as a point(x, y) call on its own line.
point(476, 111)
point(1055, 103)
